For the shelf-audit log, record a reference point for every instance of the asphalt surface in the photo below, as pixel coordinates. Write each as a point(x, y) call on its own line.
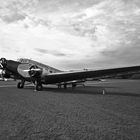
point(108, 110)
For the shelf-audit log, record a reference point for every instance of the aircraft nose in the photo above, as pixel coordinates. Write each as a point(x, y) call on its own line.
point(3, 63)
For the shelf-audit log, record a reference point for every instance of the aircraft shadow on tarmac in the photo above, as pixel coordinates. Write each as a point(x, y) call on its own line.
point(94, 90)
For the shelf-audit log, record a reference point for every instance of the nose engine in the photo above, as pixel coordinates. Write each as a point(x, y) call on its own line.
point(3, 63)
point(4, 72)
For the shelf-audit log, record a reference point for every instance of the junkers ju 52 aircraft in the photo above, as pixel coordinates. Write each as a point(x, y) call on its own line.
point(39, 74)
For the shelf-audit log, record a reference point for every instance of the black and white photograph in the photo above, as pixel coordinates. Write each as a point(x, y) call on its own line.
point(69, 69)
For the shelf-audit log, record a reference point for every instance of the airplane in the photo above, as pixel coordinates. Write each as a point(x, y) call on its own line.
point(40, 74)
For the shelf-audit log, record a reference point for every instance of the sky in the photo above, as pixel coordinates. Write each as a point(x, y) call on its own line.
point(71, 34)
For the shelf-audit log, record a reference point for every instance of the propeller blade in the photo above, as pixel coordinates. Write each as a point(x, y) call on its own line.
point(3, 63)
point(1, 67)
point(32, 69)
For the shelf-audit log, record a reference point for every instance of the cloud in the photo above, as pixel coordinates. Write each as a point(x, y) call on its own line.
point(52, 52)
point(12, 18)
point(73, 33)
point(15, 10)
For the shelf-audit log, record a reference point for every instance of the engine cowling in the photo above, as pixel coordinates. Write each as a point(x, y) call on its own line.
point(4, 72)
point(3, 63)
point(35, 71)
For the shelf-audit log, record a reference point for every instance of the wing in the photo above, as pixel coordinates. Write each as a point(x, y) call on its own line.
point(69, 76)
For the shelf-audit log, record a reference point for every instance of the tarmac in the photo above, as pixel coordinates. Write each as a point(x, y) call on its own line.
point(102, 110)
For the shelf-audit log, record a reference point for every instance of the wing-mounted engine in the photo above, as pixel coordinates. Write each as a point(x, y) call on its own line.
point(31, 73)
point(35, 71)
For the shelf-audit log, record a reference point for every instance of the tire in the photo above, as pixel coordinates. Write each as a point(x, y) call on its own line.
point(20, 85)
point(39, 87)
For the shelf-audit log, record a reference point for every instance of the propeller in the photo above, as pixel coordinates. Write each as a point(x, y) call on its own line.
point(3, 63)
point(35, 75)
point(3, 72)
point(34, 71)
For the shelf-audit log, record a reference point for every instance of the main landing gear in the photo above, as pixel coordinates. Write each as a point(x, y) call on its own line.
point(21, 84)
point(38, 85)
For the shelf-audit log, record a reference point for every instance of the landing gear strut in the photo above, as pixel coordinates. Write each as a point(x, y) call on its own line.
point(21, 84)
point(38, 85)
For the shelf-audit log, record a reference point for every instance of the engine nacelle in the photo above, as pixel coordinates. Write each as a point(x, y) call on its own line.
point(3, 63)
point(35, 71)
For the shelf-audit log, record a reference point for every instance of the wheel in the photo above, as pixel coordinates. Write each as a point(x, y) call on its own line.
point(39, 87)
point(20, 85)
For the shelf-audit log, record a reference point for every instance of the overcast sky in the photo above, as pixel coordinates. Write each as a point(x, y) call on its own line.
point(71, 34)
